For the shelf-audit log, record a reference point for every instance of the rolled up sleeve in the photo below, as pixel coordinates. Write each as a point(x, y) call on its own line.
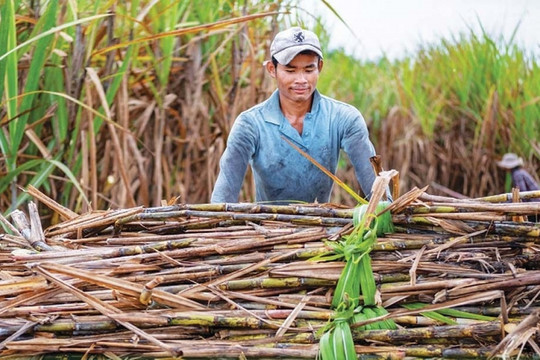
point(234, 161)
point(359, 149)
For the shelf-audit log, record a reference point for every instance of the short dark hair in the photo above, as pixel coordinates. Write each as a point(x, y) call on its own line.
point(310, 52)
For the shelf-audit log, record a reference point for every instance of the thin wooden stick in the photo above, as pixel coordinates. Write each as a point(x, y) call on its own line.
point(64, 212)
point(108, 310)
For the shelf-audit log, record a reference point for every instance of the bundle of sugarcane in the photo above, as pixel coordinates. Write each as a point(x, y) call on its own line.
point(455, 279)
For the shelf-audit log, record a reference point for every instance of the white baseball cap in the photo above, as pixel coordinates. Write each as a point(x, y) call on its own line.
point(289, 43)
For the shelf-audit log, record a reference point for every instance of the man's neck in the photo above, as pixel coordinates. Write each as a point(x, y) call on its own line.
point(295, 112)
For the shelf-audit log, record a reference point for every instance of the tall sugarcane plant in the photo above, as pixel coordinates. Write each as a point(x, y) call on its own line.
point(355, 283)
point(96, 97)
point(110, 104)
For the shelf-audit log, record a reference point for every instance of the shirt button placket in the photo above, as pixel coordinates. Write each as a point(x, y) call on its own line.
point(307, 129)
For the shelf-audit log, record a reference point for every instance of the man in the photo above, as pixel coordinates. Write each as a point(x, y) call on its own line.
point(520, 177)
point(296, 111)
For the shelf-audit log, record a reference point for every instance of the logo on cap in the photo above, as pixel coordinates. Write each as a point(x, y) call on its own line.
point(299, 37)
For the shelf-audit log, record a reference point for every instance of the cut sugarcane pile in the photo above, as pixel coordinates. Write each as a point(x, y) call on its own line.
point(239, 281)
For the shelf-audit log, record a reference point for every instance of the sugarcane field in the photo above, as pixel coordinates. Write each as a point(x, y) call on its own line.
point(182, 180)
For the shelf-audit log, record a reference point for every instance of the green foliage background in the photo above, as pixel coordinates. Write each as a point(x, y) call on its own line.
point(115, 104)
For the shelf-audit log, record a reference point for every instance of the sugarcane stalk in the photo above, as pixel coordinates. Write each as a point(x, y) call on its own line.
point(271, 209)
point(225, 215)
point(531, 230)
point(287, 302)
point(427, 267)
point(493, 227)
point(332, 271)
point(466, 353)
point(269, 278)
point(109, 311)
point(507, 197)
point(76, 255)
point(508, 208)
point(518, 335)
point(172, 226)
point(234, 350)
point(230, 234)
point(29, 231)
point(92, 220)
point(9, 226)
point(506, 282)
point(146, 293)
point(24, 284)
point(265, 283)
point(225, 247)
point(23, 329)
point(439, 332)
point(229, 277)
point(21, 311)
point(104, 253)
point(95, 326)
point(472, 216)
point(201, 275)
point(64, 212)
point(13, 242)
point(376, 163)
point(425, 321)
point(119, 285)
point(200, 319)
point(429, 286)
point(444, 351)
point(395, 186)
point(498, 198)
point(409, 242)
point(496, 310)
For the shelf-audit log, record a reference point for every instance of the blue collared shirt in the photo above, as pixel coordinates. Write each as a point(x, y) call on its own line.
point(283, 174)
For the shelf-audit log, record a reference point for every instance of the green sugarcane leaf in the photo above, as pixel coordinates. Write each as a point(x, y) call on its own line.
point(348, 342)
point(41, 176)
point(344, 285)
point(71, 177)
point(51, 31)
point(325, 346)
point(7, 26)
point(9, 176)
point(54, 80)
point(465, 315)
point(337, 342)
point(38, 180)
point(115, 84)
point(169, 19)
point(430, 314)
point(385, 224)
point(11, 78)
point(46, 22)
point(439, 317)
point(367, 281)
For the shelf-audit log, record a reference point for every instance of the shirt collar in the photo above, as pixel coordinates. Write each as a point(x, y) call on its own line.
point(273, 113)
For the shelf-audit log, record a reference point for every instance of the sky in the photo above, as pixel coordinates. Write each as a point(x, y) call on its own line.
point(397, 27)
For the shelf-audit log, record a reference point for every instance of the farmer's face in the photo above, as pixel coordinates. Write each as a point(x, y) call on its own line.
point(297, 80)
